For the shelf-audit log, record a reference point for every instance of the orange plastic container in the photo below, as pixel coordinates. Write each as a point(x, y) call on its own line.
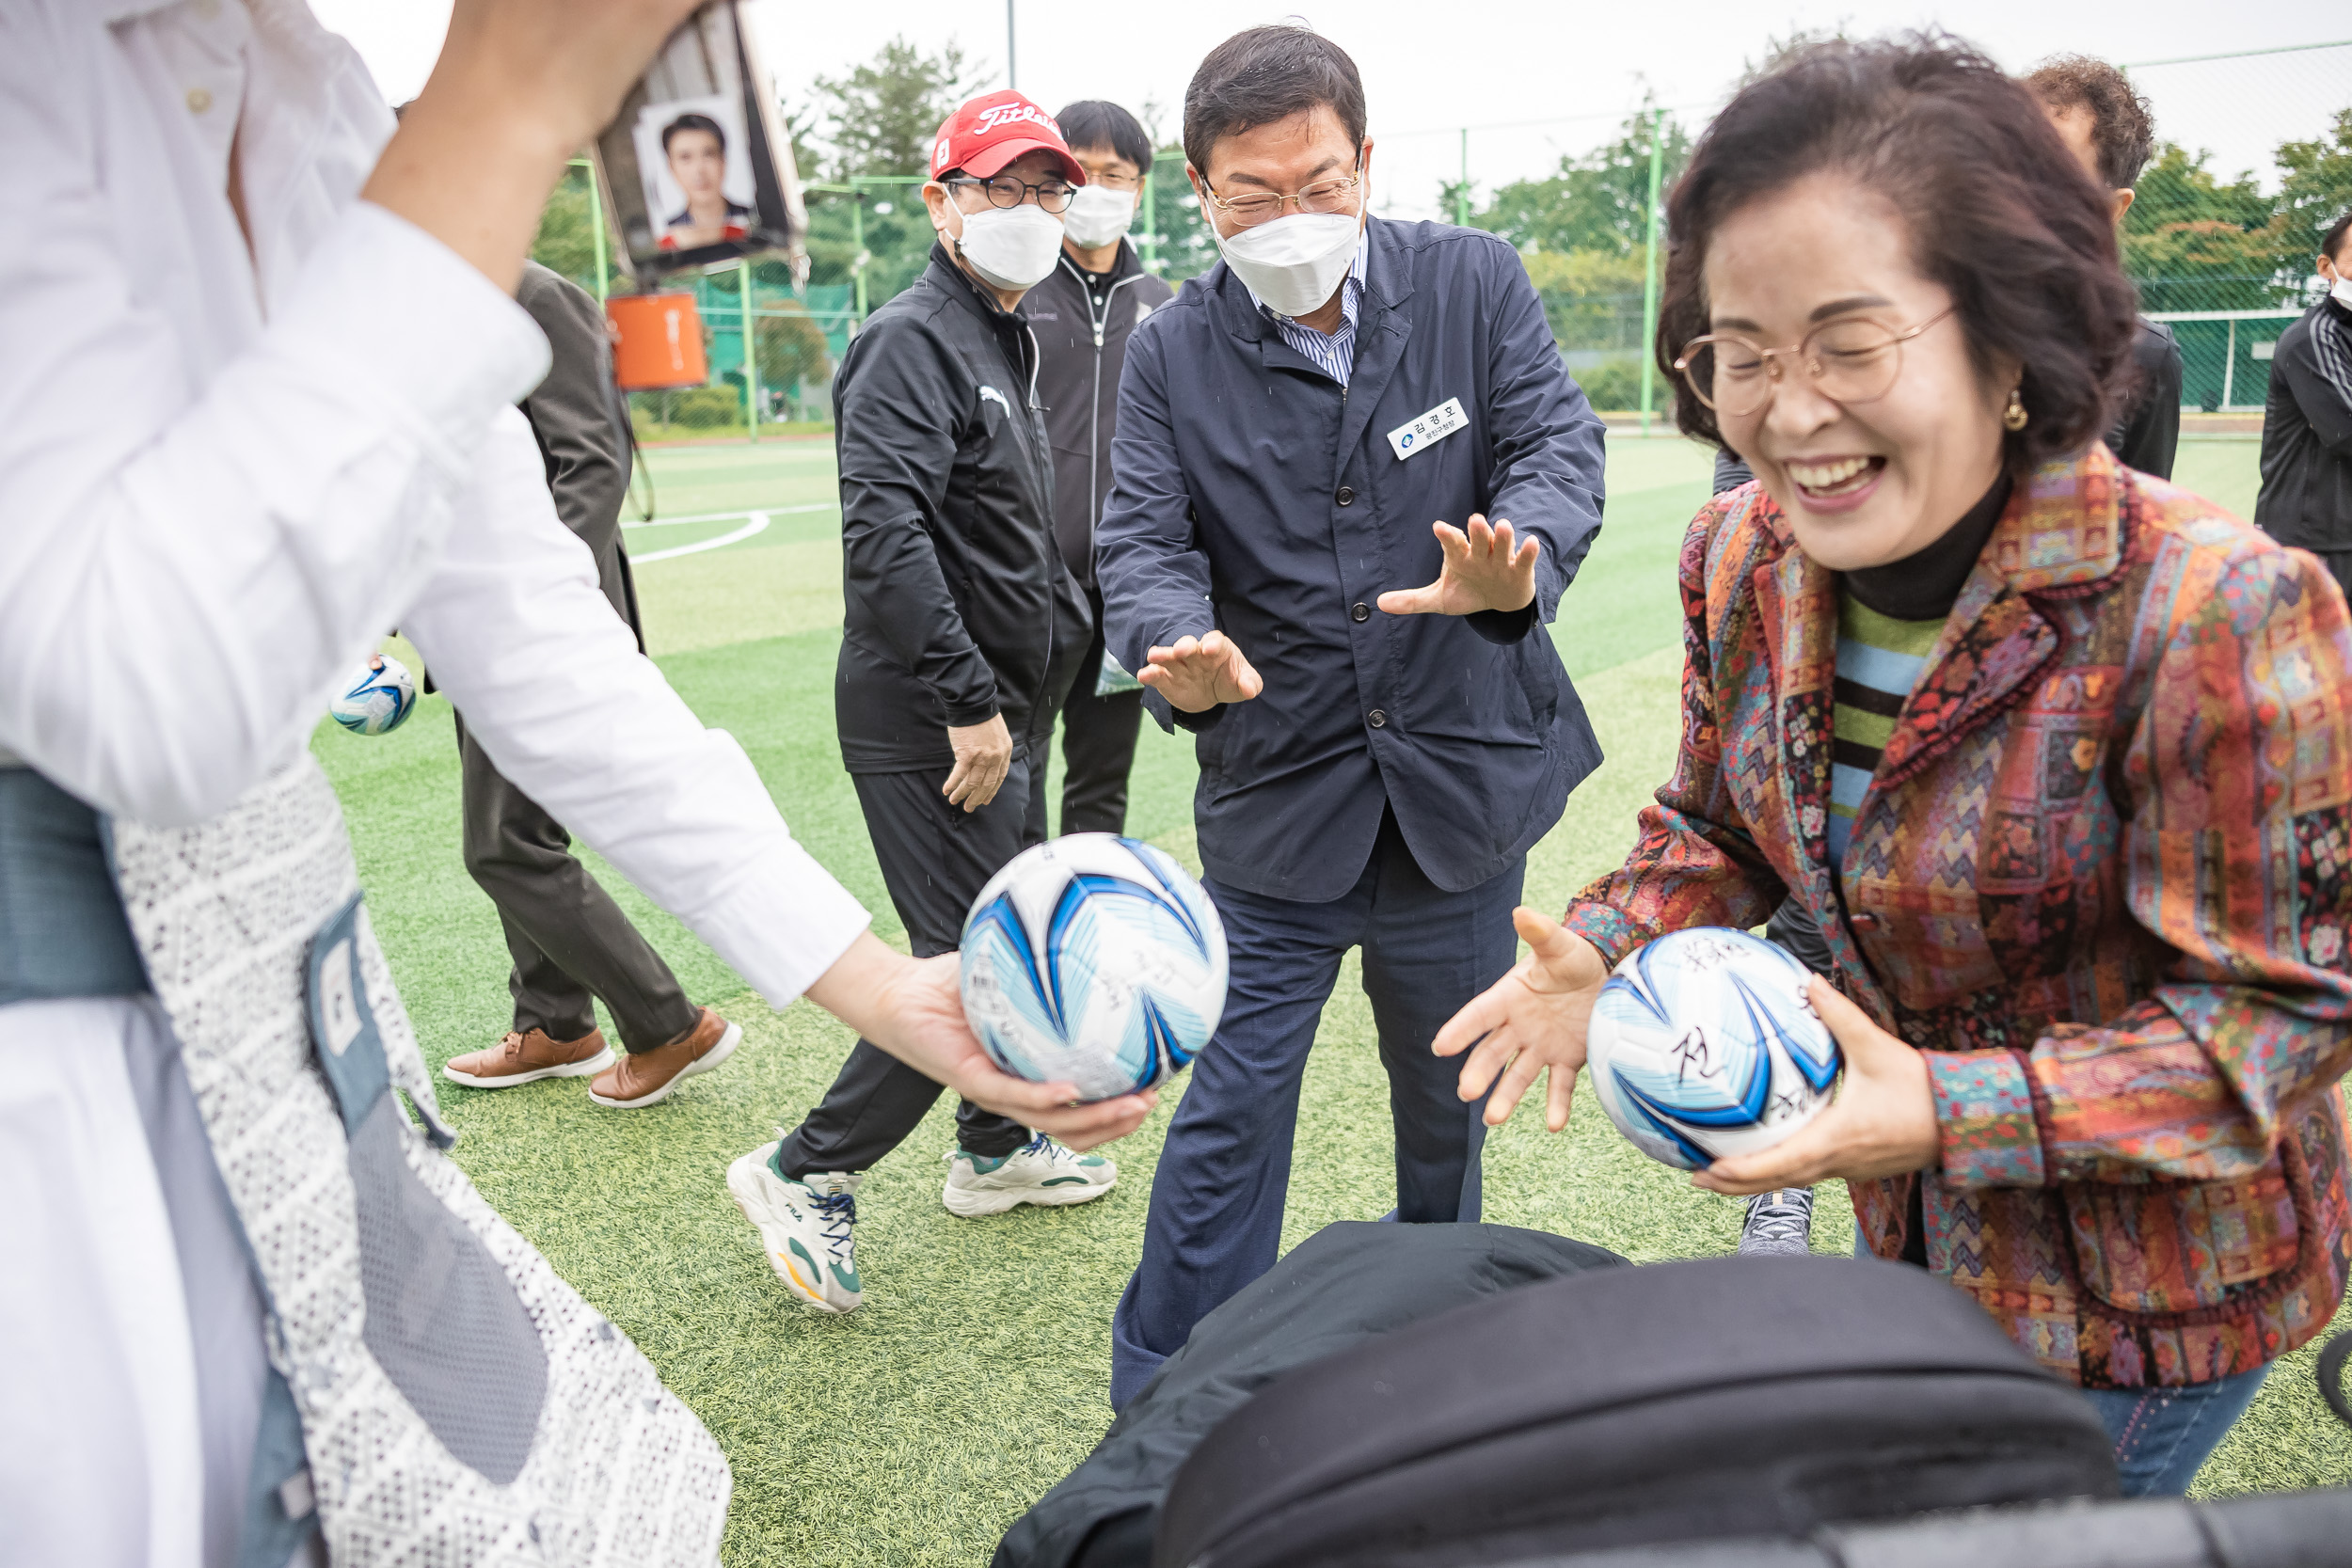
point(659, 342)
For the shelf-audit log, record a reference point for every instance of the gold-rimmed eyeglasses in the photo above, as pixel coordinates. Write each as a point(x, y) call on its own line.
point(1255, 207)
point(1852, 360)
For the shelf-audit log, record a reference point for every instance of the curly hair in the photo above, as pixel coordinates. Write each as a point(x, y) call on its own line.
point(2122, 130)
point(1998, 213)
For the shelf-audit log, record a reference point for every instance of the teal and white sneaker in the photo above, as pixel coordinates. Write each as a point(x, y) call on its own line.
point(1040, 1172)
point(804, 1227)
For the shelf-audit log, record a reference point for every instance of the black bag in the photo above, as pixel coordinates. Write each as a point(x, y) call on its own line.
point(1722, 1398)
point(1342, 1286)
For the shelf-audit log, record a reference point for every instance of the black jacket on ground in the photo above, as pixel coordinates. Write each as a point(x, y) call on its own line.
point(2306, 497)
point(955, 604)
point(1082, 327)
point(2149, 434)
point(1339, 1288)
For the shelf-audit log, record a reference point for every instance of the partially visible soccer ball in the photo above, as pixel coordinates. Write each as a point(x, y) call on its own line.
point(1093, 960)
point(376, 701)
point(1704, 1045)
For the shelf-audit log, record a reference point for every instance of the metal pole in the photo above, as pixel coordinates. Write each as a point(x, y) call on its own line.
point(1649, 267)
point(1150, 217)
point(857, 232)
point(1008, 75)
point(595, 221)
point(750, 353)
point(1461, 192)
point(2228, 366)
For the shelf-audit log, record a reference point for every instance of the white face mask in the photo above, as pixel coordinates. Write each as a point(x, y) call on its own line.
point(1098, 216)
point(2342, 290)
point(1012, 248)
point(1294, 263)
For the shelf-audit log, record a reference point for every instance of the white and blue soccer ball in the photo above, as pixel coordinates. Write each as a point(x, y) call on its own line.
point(1704, 1045)
point(1093, 960)
point(376, 701)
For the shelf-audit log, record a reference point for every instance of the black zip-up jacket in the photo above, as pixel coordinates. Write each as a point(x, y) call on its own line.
point(955, 604)
point(1083, 333)
point(2306, 497)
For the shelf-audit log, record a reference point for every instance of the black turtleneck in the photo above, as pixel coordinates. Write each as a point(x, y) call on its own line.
point(1925, 584)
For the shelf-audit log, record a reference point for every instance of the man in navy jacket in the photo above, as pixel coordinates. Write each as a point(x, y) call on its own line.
point(1375, 756)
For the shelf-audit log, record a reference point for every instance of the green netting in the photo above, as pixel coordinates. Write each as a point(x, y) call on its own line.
point(2256, 160)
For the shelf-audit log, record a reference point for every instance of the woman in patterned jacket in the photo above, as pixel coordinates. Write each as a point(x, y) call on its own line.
point(2056, 753)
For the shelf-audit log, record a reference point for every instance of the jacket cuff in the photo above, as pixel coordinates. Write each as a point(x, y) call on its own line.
point(1984, 1119)
point(1503, 627)
point(1606, 928)
point(964, 715)
point(443, 368)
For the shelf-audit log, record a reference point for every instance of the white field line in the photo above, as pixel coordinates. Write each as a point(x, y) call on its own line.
point(738, 511)
point(758, 524)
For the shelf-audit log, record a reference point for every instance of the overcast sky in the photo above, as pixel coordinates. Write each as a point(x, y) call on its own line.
point(1531, 80)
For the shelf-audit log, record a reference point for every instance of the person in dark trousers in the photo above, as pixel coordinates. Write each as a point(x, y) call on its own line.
point(1375, 756)
point(2306, 497)
point(2109, 128)
point(1082, 315)
point(961, 631)
point(570, 942)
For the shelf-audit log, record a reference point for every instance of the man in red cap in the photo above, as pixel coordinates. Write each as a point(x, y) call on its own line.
point(962, 631)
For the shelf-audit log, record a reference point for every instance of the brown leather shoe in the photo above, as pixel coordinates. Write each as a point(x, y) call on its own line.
point(527, 1057)
point(646, 1077)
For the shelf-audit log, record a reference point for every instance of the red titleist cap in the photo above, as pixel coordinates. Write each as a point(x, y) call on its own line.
point(994, 129)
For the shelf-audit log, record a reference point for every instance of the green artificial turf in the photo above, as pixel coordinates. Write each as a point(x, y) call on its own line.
point(917, 1429)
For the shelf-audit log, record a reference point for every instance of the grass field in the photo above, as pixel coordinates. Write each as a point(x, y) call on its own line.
point(915, 1430)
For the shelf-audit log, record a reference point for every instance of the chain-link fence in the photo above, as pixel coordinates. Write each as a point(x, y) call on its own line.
point(2254, 159)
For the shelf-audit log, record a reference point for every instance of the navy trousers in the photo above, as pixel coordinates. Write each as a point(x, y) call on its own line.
point(1217, 1201)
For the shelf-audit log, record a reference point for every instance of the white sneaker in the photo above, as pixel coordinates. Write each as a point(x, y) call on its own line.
point(1779, 1223)
point(1040, 1172)
point(803, 1227)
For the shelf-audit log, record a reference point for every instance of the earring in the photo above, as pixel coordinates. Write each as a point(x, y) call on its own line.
point(2014, 416)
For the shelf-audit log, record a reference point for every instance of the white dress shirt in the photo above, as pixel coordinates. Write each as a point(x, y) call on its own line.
point(224, 474)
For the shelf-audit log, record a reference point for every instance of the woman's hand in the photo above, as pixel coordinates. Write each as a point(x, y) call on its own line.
point(912, 1008)
point(521, 85)
point(1530, 1021)
point(1883, 1123)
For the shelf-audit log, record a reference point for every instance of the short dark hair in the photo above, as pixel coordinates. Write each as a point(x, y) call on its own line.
point(2123, 132)
point(1263, 74)
point(1096, 122)
point(1998, 212)
point(692, 122)
point(2331, 243)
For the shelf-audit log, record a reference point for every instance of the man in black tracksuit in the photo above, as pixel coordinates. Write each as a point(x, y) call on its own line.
point(1082, 315)
point(2306, 497)
point(962, 628)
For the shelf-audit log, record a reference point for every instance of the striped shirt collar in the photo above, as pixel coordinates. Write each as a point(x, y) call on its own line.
point(1333, 354)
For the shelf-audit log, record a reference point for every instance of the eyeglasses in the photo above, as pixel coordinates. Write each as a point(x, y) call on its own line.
point(1007, 190)
point(1849, 360)
point(1115, 181)
point(1255, 207)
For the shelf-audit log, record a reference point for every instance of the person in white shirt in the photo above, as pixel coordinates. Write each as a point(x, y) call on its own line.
point(256, 407)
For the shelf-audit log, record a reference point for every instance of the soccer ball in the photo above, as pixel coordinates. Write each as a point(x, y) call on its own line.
point(1704, 1044)
point(1093, 960)
point(376, 701)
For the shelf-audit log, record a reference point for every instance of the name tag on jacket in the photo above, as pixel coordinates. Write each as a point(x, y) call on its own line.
point(1429, 429)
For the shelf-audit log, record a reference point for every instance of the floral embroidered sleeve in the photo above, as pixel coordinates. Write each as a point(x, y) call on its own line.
point(2238, 857)
point(1695, 862)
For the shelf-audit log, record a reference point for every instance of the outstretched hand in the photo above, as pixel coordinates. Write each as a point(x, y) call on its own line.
point(912, 1008)
point(1882, 1124)
point(1482, 571)
point(1530, 1022)
point(1200, 673)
